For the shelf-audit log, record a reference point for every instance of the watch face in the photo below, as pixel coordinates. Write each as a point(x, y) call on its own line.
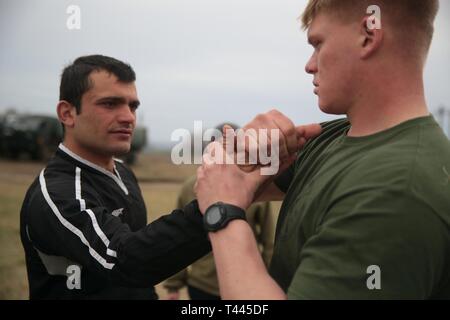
point(214, 215)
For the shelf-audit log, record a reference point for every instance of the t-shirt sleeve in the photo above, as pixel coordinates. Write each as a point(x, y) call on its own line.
point(373, 244)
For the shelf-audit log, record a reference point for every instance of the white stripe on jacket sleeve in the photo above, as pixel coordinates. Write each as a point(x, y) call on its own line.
point(91, 214)
point(70, 226)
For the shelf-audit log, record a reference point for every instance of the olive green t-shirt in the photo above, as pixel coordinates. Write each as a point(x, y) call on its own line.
point(367, 217)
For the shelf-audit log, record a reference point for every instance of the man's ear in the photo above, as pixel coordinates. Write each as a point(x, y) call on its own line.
point(371, 37)
point(66, 113)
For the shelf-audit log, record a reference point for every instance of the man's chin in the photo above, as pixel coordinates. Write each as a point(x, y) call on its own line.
point(121, 150)
point(330, 108)
point(325, 108)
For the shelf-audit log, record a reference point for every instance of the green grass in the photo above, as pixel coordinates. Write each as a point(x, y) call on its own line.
point(13, 279)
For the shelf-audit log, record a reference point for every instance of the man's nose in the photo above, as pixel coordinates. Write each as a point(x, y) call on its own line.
point(127, 115)
point(311, 66)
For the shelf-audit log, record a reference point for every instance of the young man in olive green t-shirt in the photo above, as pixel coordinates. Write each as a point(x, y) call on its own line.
point(367, 217)
point(366, 212)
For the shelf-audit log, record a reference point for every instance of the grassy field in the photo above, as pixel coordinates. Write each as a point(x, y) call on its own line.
point(160, 182)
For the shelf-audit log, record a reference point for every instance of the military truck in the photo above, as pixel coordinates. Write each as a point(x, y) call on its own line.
point(38, 136)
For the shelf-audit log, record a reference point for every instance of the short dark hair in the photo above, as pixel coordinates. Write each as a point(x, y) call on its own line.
point(75, 77)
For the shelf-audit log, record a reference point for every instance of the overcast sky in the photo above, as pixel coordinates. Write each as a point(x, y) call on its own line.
point(210, 60)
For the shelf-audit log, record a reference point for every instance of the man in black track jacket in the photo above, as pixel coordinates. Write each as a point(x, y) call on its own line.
point(83, 221)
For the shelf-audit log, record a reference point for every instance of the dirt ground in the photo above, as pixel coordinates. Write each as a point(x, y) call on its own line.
point(160, 182)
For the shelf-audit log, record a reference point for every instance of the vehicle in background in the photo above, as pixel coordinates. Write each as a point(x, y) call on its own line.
point(38, 137)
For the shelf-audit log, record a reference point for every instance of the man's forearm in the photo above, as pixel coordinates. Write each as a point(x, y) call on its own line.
point(162, 248)
point(241, 271)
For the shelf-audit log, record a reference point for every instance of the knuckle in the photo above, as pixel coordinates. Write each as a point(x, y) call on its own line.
point(290, 131)
point(260, 117)
point(275, 112)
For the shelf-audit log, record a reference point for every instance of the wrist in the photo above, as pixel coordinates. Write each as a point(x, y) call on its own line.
point(232, 202)
point(234, 230)
point(218, 215)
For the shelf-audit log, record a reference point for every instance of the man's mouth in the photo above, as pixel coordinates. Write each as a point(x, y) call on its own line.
point(123, 132)
point(316, 87)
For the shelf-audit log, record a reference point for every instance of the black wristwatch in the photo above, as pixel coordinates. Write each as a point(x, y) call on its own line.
point(219, 214)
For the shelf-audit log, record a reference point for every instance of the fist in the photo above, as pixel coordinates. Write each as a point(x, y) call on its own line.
point(270, 137)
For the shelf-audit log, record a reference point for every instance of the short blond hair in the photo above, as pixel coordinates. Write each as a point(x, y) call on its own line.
point(411, 17)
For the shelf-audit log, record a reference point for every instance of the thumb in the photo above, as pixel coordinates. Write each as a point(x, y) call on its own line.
point(228, 138)
point(308, 131)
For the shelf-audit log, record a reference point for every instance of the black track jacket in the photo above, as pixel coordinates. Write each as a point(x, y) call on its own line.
point(79, 220)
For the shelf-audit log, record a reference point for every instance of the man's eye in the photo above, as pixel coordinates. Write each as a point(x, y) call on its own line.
point(133, 106)
point(108, 103)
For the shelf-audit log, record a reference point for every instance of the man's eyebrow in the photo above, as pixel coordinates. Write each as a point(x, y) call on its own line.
point(111, 98)
point(118, 99)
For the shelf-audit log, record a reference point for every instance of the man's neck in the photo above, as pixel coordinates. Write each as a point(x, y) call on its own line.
point(103, 161)
point(380, 109)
